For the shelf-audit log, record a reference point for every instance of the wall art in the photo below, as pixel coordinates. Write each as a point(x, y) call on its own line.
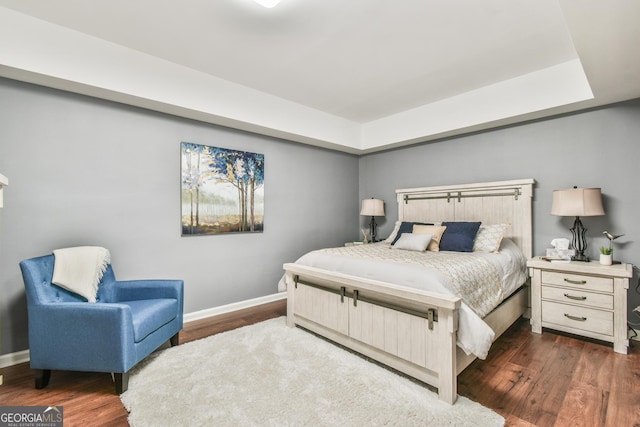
point(222, 190)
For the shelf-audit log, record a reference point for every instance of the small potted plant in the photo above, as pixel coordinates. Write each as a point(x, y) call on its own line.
point(606, 255)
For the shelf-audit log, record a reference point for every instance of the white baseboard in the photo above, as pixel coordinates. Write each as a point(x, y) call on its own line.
point(223, 309)
point(14, 358)
point(23, 356)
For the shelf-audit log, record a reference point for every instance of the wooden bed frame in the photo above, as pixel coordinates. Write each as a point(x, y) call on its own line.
point(410, 330)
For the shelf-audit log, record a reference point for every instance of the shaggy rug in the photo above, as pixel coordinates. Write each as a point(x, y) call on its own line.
point(270, 375)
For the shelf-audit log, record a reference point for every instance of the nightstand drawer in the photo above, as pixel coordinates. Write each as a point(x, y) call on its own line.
point(578, 296)
point(594, 283)
point(582, 318)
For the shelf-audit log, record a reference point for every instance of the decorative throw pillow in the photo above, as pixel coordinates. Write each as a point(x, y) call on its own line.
point(489, 238)
point(413, 242)
point(435, 230)
point(459, 236)
point(407, 227)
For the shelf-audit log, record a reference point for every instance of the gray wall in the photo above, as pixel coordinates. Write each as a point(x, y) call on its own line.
point(597, 148)
point(88, 172)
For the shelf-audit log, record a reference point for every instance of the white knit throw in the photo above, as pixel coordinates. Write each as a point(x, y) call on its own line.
point(80, 269)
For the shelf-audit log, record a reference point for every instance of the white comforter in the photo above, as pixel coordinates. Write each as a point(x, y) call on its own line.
point(474, 335)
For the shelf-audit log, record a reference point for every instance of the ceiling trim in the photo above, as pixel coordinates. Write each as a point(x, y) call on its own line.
point(551, 87)
point(43, 53)
point(39, 52)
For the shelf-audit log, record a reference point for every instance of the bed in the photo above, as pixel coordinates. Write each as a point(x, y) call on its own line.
point(402, 307)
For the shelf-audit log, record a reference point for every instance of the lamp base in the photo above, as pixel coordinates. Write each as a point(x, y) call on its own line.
point(373, 229)
point(579, 242)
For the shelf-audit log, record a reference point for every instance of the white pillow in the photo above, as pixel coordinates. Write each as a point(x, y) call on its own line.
point(392, 236)
point(489, 238)
point(413, 242)
point(436, 232)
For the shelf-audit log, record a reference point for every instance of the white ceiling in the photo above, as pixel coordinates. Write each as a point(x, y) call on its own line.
point(356, 75)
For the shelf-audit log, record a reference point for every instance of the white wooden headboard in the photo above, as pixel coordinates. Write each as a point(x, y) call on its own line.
point(502, 202)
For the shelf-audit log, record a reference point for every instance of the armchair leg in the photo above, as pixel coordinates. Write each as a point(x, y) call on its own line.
point(122, 382)
point(175, 340)
point(42, 378)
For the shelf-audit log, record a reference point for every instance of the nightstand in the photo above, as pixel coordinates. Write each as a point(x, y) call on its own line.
point(582, 298)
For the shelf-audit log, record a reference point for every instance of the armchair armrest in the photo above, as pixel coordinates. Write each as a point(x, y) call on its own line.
point(131, 290)
point(104, 332)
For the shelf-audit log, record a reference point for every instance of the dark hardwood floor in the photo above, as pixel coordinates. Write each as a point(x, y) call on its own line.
point(556, 380)
point(530, 379)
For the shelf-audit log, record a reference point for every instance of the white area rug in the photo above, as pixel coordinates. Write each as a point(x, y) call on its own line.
point(269, 374)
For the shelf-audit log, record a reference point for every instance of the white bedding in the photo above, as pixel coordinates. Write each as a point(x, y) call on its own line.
point(474, 335)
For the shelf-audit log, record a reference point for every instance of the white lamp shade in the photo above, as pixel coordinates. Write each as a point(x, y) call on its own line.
point(577, 202)
point(372, 207)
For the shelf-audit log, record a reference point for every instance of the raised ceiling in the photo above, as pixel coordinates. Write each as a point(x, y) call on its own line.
point(356, 75)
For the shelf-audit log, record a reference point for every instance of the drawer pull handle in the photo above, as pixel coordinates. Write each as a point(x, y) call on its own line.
point(575, 298)
point(580, 319)
point(575, 282)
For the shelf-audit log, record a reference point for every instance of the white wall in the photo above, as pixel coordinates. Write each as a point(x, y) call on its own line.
point(90, 172)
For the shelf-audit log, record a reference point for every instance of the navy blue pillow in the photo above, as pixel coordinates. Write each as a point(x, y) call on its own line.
point(407, 227)
point(459, 236)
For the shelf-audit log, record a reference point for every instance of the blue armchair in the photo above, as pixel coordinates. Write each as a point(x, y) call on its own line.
point(130, 320)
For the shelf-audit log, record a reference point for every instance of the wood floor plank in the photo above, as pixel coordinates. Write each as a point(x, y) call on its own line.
point(583, 406)
point(542, 394)
point(624, 400)
point(513, 386)
point(595, 366)
point(513, 421)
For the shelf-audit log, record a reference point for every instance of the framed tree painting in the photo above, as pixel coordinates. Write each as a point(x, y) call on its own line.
point(222, 190)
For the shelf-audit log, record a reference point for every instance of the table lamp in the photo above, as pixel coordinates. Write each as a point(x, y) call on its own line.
point(578, 202)
point(373, 208)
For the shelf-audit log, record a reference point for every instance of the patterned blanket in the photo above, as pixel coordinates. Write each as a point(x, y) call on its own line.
point(474, 279)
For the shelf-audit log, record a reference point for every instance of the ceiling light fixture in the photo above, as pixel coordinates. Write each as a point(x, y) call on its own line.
point(268, 3)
